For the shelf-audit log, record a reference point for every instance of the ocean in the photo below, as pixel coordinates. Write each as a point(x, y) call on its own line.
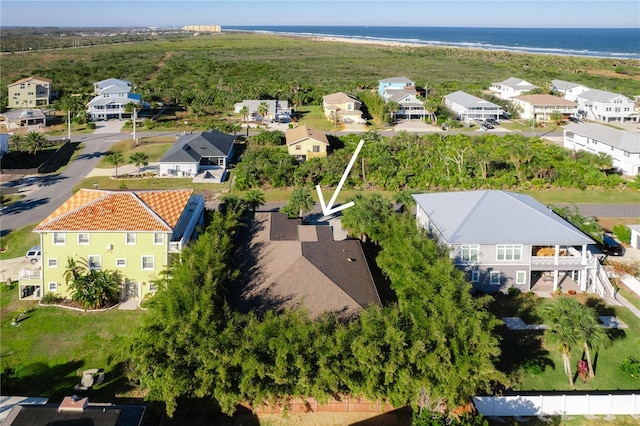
point(623, 43)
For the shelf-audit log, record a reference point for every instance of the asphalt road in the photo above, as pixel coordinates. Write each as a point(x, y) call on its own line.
point(54, 189)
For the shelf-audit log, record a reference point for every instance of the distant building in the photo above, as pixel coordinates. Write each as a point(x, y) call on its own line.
point(29, 92)
point(342, 108)
point(112, 96)
point(388, 86)
point(469, 107)
point(568, 89)
point(600, 105)
point(203, 28)
point(24, 118)
point(304, 142)
point(540, 107)
point(511, 87)
point(277, 110)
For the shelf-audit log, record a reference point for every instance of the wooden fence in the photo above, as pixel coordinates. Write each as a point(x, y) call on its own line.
point(344, 404)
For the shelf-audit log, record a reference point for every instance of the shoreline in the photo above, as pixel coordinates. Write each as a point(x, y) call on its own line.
point(416, 44)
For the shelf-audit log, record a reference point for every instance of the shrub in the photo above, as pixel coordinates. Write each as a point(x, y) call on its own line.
point(622, 233)
point(513, 291)
point(51, 298)
point(534, 366)
point(631, 366)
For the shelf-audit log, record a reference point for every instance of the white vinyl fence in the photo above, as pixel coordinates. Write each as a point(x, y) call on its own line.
point(632, 283)
point(555, 405)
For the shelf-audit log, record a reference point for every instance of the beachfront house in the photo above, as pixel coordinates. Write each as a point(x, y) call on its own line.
point(600, 105)
point(29, 92)
point(276, 110)
point(623, 146)
point(568, 89)
point(33, 119)
point(388, 86)
point(112, 96)
point(304, 142)
point(502, 239)
point(132, 232)
point(469, 107)
point(342, 108)
point(204, 156)
point(541, 107)
point(511, 87)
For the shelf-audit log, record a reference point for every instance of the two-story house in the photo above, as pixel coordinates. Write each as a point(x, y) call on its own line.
point(409, 106)
point(623, 146)
point(511, 87)
point(503, 239)
point(342, 108)
point(600, 105)
point(540, 107)
point(112, 96)
point(387, 86)
point(304, 142)
point(568, 89)
point(132, 232)
point(29, 92)
point(469, 107)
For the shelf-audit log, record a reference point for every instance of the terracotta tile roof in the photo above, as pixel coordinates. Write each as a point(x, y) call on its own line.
point(97, 210)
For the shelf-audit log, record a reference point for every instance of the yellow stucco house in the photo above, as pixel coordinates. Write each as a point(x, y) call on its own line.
point(304, 142)
point(132, 232)
point(29, 92)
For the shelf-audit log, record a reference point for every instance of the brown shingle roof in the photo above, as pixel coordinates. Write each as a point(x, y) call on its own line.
point(97, 210)
point(300, 133)
point(545, 100)
point(33, 77)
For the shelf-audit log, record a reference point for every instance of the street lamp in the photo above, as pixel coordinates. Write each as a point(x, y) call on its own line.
point(134, 124)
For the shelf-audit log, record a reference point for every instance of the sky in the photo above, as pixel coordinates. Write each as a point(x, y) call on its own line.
point(430, 13)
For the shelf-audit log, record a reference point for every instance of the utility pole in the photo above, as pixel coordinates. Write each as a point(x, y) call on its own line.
point(69, 125)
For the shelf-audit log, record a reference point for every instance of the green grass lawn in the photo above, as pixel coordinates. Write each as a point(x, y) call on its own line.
point(520, 346)
point(50, 346)
point(105, 182)
point(155, 148)
point(590, 196)
point(18, 242)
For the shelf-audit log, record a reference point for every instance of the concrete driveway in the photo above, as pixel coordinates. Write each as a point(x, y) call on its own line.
point(10, 268)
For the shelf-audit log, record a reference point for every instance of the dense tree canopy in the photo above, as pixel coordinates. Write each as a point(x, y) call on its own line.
point(434, 347)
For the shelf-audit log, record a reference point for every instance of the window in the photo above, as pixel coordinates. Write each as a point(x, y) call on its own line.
point(95, 262)
point(59, 238)
point(469, 252)
point(298, 147)
point(316, 148)
point(521, 277)
point(53, 286)
point(158, 238)
point(83, 239)
point(147, 262)
point(153, 287)
point(121, 263)
point(475, 276)
point(509, 251)
point(494, 277)
point(52, 262)
point(131, 237)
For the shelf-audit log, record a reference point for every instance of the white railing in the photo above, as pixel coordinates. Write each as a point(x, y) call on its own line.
point(603, 280)
point(561, 260)
point(175, 246)
point(553, 405)
point(26, 274)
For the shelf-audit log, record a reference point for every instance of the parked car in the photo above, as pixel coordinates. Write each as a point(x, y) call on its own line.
point(487, 126)
point(611, 247)
point(492, 121)
point(574, 120)
point(34, 254)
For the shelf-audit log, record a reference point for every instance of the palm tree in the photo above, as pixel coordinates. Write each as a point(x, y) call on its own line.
point(560, 317)
point(115, 158)
point(263, 110)
point(254, 198)
point(592, 334)
point(139, 159)
point(244, 111)
point(17, 141)
point(393, 107)
point(430, 107)
point(34, 142)
point(300, 203)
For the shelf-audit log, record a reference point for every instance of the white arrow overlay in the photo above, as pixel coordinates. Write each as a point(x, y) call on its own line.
point(328, 209)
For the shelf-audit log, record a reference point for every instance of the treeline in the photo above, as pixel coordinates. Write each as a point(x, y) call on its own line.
point(433, 349)
point(432, 162)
